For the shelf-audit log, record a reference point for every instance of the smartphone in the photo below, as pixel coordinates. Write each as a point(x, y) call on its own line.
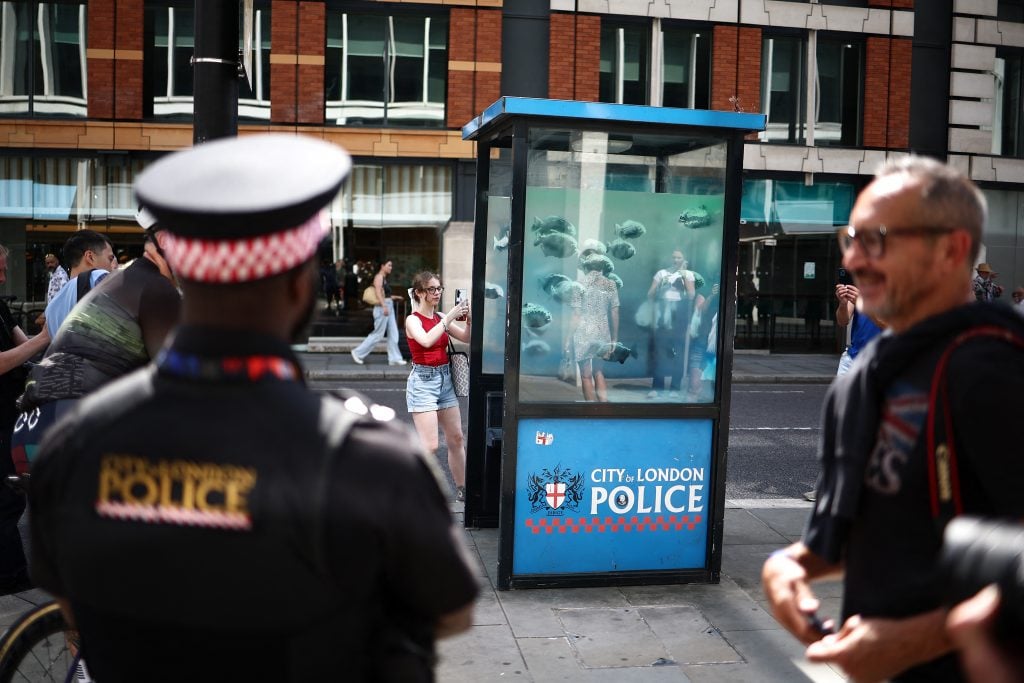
point(818, 624)
point(460, 296)
point(844, 277)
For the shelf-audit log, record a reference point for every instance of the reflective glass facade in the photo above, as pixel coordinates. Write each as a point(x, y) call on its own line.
point(42, 59)
point(386, 69)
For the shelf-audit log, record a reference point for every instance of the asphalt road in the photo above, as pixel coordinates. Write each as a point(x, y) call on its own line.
point(773, 433)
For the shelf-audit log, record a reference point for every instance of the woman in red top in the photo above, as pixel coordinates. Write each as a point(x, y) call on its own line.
point(429, 393)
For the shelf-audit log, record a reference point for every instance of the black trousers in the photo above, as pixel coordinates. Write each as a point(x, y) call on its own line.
point(12, 505)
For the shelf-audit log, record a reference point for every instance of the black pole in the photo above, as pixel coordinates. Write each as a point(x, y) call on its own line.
point(215, 71)
point(929, 78)
point(524, 42)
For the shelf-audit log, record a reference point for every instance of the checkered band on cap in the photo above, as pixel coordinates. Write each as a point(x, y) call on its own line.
point(227, 261)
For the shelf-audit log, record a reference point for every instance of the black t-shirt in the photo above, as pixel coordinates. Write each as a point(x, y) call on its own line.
point(891, 554)
point(178, 514)
point(12, 382)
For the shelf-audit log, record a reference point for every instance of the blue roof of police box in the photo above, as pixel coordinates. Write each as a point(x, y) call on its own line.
point(508, 107)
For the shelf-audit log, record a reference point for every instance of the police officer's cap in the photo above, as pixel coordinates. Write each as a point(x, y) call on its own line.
point(242, 209)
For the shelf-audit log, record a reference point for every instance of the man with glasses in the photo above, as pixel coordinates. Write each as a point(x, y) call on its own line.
point(913, 237)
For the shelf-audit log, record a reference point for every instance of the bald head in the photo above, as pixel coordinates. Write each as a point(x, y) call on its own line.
point(944, 197)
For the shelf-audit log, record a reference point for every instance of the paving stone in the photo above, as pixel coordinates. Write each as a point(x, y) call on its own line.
point(484, 653)
point(488, 608)
point(681, 594)
point(529, 611)
point(770, 655)
point(789, 522)
point(611, 637)
point(743, 563)
point(688, 636)
point(739, 613)
point(742, 527)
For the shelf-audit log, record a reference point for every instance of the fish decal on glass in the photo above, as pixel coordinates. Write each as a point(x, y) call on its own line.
point(557, 244)
point(501, 240)
point(698, 217)
point(597, 262)
point(551, 281)
point(630, 230)
point(563, 292)
point(536, 347)
point(621, 249)
point(552, 224)
point(536, 317)
point(493, 291)
point(616, 279)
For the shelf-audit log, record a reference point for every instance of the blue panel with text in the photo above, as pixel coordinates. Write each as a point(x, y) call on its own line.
point(609, 495)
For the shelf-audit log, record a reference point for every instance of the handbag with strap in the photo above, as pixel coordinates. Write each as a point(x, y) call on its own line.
point(458, 367)
point(370, 296)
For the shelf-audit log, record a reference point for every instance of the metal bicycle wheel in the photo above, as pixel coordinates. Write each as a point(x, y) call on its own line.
point(35, 648)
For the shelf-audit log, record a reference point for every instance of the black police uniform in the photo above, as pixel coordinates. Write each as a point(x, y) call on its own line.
point(204, 528)
point(13, 576)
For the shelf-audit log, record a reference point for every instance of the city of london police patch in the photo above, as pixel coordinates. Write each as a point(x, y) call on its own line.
point(555, 491)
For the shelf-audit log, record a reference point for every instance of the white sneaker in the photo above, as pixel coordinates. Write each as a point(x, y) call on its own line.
point(355, 357)
point(653, 393)
point(397, 362)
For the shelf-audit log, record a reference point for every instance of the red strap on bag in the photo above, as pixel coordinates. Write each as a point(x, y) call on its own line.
point(943, 473)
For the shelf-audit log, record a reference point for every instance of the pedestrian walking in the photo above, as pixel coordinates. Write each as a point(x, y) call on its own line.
point(383, 320)
point(891, 476)
point(285, 534)
point(429, 392)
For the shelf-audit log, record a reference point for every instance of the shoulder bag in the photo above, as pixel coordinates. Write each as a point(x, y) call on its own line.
point(370, 296)
point(458, 366)
point(943, 471)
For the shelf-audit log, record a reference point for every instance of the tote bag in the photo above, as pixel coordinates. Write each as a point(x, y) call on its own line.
point(458, 366)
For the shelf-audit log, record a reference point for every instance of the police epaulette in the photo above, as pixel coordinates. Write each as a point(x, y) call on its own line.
point(358, 403)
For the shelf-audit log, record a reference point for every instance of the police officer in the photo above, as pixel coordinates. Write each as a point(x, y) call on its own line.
point(210, 518)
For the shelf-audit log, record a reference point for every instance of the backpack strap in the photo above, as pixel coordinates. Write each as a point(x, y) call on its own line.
point(943, 473)
point(336, 422)
point(84, 283)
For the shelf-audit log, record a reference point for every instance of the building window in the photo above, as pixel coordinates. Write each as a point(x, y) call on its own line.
point(254, 100)
point(42, 59)
point(1010, 10)
point(386, 70)
point(624, 63)
point(686, 68)
point(1008, 108)
point(662, 64)
point(170, 44)
point(838, 82)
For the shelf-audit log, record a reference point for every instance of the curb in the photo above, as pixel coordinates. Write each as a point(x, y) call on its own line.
point(398, 373)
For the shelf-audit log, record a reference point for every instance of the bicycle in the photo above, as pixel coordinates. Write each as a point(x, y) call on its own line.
point(25, 313)
point(39, 646)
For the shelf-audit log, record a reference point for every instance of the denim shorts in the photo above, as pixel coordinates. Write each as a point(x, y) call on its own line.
point(430, 388)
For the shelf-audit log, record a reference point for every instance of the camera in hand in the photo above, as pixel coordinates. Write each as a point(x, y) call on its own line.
point(976, 553)
point(844, 277)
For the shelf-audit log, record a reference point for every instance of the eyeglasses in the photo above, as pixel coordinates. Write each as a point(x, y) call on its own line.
point(433, 290)
point(872, 240)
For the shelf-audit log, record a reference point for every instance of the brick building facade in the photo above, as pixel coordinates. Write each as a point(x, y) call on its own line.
point(79, 146)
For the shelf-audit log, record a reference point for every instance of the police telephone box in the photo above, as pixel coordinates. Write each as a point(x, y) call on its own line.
point(603, 297)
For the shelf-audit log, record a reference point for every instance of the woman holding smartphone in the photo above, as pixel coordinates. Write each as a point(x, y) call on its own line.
point(429, 392)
